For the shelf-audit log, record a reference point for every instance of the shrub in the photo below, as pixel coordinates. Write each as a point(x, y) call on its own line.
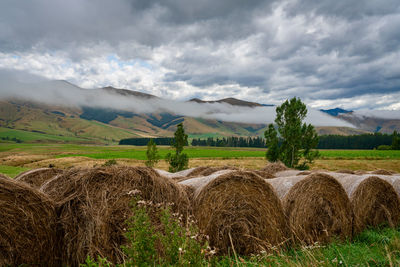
point(110, 162)
point(384, 147)
point(152, 154)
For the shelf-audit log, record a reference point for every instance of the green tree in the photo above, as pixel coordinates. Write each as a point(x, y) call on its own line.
point(178, 161)
point(152, 154)
point(298, 139)
point(395, 141)
point(272, 142)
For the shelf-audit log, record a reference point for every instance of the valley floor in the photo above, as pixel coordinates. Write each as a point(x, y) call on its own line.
point(15, 158)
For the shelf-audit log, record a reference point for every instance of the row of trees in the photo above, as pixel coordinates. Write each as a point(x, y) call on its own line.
point(230, 142)
point(363, 141)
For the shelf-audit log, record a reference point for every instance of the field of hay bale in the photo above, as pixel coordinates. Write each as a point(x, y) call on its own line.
point(55, 217)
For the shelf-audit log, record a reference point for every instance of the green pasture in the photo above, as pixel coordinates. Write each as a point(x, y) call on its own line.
point(139, 152)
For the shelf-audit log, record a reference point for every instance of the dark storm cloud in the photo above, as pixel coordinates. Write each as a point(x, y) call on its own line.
point(313, 49)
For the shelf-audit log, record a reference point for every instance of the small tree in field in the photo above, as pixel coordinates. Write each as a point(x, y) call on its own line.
point(152, 154)
point(298, 138)
point(178, 161)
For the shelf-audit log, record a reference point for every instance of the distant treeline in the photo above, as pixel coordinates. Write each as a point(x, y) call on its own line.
point(230, 142)
point(363, 141)
point(143, 141)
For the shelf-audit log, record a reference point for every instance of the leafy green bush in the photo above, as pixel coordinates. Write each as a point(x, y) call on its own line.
point(152, 154)
point(110, 162)
point(179, 160)
point(384, 147)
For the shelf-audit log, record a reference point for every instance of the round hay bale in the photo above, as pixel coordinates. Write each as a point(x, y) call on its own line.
point(94, 206)
point(37, 177)
point(3, 176)
point(383, 172)
point(316, 206)
point(287, 173)
point(205, 171)
point(175, 175)
point(274, 167)
point(263, 174)
point(346, 171)
point(239, 211)
point(27, 226)
point(304, 173)
point(374, 201)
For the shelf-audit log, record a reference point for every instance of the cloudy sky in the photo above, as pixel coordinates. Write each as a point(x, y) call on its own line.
point(342, 53)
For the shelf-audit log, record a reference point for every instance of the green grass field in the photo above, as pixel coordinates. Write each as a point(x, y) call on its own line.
point(12, 171)
point(139, 152)
point(26, 136)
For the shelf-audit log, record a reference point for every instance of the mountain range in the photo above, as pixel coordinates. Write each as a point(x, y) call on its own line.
point(35, 120)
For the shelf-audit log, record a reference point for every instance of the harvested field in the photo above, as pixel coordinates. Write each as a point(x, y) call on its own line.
point(94, 205)
point(316, 207)
point(37, 177)
point(27, 226)
point(237, 209)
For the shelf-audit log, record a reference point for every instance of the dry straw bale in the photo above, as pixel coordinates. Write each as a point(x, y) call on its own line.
point(205, 171)
point(346, 171)
point(316, 207)
point(374, 201)
point(37, 177)
point(287, 173)
point(174, 175)
point(27, 226)
point(94, 206)
point(274, 167)
point(238, 209)
point(4, 176)
point(263, 174)
point(383, 172)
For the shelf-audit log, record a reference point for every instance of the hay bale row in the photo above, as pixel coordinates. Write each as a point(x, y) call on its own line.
point(374, 199)
point(239, 211)
point(316, 207)
point(28, 226)
point(93, 207)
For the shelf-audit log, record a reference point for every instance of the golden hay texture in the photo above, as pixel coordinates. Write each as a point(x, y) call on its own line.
point(274, 167)
point(316, 206)
point(346, 171)
point(3, 176)
point(37, 177)
point(374, 201)
point(27, 226)
point(205, 171)
point(239, 210)
point(383, 172)
point(94, 205)
point(263, 174)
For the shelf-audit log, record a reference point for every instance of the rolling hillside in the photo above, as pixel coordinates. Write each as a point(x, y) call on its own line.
point(33, 121)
